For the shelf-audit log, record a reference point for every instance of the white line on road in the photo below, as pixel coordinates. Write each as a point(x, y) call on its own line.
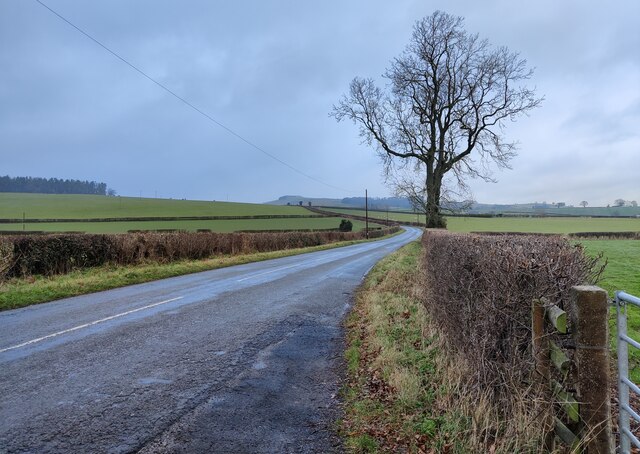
point(269, 272)
point(86, 325)
point(281, 268)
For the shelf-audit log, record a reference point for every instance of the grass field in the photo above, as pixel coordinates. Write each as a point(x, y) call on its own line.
point(506, 224)
point(55, 206)
point(622, 273)
point(231, 225)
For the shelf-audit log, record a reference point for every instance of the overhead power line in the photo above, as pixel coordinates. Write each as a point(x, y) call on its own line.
point(184, 101)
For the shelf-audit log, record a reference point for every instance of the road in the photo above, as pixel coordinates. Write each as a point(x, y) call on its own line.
point(239, 359)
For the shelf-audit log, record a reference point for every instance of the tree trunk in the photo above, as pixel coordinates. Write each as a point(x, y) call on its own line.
point(434, 219)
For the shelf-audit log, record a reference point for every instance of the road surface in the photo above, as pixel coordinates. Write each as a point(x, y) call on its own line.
point(240, 359)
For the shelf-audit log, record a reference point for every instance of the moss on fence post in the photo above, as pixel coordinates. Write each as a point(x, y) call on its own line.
point(589, 313)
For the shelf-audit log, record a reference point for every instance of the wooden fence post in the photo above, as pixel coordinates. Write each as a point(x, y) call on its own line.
point(539, 340)
point(589, 316)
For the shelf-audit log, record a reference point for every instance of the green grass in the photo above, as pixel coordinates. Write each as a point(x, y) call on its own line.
point(622, 273)
point(393, 386)
point(22, 292)
point(57, 206)
point(230, 225)
point(542, 225)
point(507, 224)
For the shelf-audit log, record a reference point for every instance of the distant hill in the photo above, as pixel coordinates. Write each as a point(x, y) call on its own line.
point(520, 209)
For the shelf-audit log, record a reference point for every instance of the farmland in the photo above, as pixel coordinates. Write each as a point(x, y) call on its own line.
point(54, 206)
point(517, 224)
point(231, 225)
point(622, 273)
point(78, 207)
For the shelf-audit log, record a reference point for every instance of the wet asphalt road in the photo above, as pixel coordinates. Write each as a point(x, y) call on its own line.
point(240, 359)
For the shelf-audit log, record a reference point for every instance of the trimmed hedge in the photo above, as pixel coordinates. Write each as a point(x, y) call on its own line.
point(58, 254)
point(479, 290)
point(606, 235)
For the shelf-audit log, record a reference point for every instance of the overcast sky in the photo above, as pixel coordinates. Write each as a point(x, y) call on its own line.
point(271, 71)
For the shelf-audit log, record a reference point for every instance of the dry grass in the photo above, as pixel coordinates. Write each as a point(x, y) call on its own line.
point(409, 391)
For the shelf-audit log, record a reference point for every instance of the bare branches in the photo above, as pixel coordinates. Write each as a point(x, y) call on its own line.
point(450, 94)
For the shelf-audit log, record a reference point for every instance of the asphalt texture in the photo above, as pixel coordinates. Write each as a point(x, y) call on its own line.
point(245, 359)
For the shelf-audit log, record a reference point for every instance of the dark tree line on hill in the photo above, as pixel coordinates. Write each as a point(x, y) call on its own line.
point(379, 203)
point(52, 186)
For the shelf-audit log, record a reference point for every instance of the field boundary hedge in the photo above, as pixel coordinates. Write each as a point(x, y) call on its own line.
point(362, 218)
point(159, 218)
point(606, 235)
point(26, 255)
point(479, 291)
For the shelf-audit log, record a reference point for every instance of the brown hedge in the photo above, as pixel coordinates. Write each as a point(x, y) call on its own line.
point(60, 253)
point(479, 290)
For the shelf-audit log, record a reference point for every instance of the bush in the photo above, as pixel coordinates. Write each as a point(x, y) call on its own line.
point(345, 226)
point(60, 253)
point(479, 290)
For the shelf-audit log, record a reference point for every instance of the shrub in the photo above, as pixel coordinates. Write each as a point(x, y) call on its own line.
point(26, 255)
point(479, 290)
point(345, 226)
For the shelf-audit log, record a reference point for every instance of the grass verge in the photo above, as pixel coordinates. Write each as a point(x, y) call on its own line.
point(23, 292)
point(406, 391)
point(394, 390)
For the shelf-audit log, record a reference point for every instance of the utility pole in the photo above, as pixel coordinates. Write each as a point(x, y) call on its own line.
point(366, 213)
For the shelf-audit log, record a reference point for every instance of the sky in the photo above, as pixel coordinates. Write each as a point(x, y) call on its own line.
point(272, 70)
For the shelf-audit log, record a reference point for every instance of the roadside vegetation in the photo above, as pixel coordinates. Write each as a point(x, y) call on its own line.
point(34, 289)
point(439, 344)
point(399, 393)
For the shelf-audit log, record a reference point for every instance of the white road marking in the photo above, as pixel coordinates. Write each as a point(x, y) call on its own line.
point(269, 272)
point(280, 269)
point(86, 325)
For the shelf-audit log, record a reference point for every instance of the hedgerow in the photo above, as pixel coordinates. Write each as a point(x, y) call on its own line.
point(25, 255)
point(479, 290)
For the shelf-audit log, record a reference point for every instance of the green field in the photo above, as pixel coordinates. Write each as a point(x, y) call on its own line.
point(55, 206)
point(508, 224)
point(231, 225)
point(622, 273)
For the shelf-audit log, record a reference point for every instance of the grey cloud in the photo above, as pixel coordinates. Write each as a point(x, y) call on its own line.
point(271, 71)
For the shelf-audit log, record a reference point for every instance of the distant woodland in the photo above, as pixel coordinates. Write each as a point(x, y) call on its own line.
point(52, 186)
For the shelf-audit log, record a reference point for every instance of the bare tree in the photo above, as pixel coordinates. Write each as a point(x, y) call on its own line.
point(450, 93)
point(454, 197)
point(584, 204)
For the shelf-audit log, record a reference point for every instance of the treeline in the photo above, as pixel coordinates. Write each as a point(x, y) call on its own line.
point(52, 186)
point(379, 203)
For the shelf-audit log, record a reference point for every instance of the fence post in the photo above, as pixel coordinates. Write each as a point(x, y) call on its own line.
point(539, 341)
point(589, 317)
